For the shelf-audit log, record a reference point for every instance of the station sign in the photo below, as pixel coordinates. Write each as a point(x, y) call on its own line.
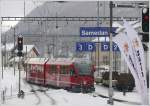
point(85, 46)
point(96, 31)
point(105, 46)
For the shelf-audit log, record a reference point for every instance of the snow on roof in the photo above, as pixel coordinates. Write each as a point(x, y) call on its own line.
point(36, 60)
point(16, 59)
point(9, 46)
point(61, 61)
point(67, 61)
point(27, 48)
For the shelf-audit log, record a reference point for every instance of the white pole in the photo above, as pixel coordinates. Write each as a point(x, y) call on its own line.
point(0, 37)
point(110, 101)
point(0, 41)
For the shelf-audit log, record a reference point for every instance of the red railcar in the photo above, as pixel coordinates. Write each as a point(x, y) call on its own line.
point(71, 74)
point(35, 70)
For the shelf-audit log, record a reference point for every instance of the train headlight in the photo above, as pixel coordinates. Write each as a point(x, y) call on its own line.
point(84, 82)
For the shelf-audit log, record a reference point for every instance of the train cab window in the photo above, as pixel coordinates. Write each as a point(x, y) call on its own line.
point(39, 68)
point(83, 68)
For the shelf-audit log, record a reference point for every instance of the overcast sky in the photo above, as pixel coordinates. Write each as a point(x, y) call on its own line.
point(14, 8)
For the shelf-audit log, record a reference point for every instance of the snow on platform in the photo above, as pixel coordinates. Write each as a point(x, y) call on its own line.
point(43, 96)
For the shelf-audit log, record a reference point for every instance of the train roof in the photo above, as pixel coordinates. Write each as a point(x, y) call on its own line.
point(60, 61)
point(66, 61)
point(36, 60)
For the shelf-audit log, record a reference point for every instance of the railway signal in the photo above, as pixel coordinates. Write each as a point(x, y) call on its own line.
point(145, 19)
point(20, 48)
point(20, 43)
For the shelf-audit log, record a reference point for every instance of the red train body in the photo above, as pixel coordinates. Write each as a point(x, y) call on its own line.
point(71, 74)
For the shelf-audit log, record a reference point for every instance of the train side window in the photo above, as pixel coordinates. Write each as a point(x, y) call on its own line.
point(28, 67)
point(42, 68)
point(67, 69)
point(36, 68)
point(63, 70)
point(32, 68)
point(53, 69)
point(72, 72)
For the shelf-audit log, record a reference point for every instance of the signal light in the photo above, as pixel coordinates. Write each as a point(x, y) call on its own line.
point(145, 19)
point(20, 43)
point(145, 37)
point(19, 53)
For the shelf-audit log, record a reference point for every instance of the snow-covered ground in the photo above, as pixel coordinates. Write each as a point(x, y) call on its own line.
point(56, 97)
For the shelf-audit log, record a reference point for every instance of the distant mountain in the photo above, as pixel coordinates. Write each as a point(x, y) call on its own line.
point(59, 38)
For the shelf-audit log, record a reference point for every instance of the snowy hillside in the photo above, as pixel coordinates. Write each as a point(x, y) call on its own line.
point(49, 32)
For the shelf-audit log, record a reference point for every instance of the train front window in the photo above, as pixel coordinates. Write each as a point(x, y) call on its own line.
point(83, 68)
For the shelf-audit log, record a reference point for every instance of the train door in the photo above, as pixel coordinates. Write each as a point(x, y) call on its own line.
point(58, 75)
point(36, 73)
point(28, 71)
point(73, 76)
point(64, 76)
point(51, 75)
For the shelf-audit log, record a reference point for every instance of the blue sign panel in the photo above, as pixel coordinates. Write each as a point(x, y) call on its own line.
point(106, 47)
point(95, 31)
point(85, 46)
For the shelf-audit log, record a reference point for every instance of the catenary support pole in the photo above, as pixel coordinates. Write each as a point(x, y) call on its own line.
point(98, 37)
point(19, 68)
point(0, 37)
point(14, 64)
point(110, 101)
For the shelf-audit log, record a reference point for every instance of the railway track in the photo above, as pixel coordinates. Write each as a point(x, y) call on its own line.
point(36, 94)
point(96, 94)
point(36, 89)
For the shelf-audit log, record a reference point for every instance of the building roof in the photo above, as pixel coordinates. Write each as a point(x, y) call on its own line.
point(15, 58)
point(36, 60)
point(28, 48)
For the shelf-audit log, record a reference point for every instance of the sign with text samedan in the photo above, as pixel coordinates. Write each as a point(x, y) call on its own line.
point(105, 46)
point(85, 46)
point(95, 31)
